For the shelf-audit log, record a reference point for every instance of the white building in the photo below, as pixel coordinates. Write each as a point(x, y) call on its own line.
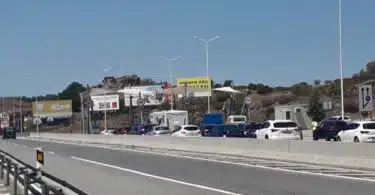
point(296, 113)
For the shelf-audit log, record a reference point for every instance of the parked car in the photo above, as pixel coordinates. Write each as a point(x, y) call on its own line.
point(226, 130)
point(119, 131)
point(159, 130)
point(141, 129)
point(205, 128)
point(358, 131)
point(278, 129)
point(108, 132)
point(187, 130)
point(249, 129)
point(329, 129)
point(9, 132)
point(339, 118)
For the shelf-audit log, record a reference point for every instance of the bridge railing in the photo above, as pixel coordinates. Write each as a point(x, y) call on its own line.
point(21, 176)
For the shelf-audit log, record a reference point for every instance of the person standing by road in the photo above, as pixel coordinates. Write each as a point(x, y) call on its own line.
point(314, 126)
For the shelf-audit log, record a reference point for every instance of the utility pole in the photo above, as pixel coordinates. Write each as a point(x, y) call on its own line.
point(170, 76)
point(21, 115)
point(207, 75)
point(340, 61)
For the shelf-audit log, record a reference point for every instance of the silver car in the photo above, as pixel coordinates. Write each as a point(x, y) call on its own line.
point(160, 130)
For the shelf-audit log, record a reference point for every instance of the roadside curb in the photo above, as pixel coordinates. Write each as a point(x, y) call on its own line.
point(261, 155)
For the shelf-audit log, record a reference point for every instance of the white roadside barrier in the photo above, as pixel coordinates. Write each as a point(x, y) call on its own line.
point(355, 155)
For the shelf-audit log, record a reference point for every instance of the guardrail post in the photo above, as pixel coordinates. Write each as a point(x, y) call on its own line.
point(26, 182)
point(15, 177)
point(2, 167)
point(45, 190)
point(8, 172)
point(39, 161)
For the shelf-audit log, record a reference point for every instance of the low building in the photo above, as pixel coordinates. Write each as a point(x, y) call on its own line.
point(296, 113)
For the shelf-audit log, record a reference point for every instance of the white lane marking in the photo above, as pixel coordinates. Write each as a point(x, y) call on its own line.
point(157, 177)
point(51, 152)
point(5, 193)
point(258, 166)
point(246, 165)
point(222, 161)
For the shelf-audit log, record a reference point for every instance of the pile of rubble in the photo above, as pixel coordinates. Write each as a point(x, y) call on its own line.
point(117, 83)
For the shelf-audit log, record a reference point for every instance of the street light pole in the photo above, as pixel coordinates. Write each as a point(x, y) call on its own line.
point(170, 76)
point(37, 113)
point(21, 117)
point(207, 75)
point(2, 111)
point(2, 104)
point(340, 61)
point(105, 101)
point(14, 111)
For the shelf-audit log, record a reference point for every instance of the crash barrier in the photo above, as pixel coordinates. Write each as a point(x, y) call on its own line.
point(307, 134)
point(358, 155)
point(18, 134)
point(33, 180)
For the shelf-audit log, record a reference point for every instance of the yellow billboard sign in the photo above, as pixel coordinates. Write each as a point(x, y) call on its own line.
point(197, 82)
point(53, 108)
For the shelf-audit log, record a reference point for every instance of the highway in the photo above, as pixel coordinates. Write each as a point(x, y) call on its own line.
point(104, 171)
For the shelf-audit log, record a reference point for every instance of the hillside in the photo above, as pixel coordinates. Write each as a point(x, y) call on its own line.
point(263, 97)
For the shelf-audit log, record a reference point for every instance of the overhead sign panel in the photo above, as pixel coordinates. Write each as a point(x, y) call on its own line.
point(366, 103)
point(151, 95)
point(53, 108)
point(196, 82)
point(106, 102)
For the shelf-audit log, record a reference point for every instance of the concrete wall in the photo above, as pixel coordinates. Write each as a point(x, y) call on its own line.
point(328, 153)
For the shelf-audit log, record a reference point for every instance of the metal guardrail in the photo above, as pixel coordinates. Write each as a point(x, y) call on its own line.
point(33, 180)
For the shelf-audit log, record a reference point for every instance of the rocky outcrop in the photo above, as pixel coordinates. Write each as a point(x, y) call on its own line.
point(117, 83)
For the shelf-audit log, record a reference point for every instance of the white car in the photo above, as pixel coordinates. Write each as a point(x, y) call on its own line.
point(278, 129)
point(358, 131)
point(187, 130)
point(346, 118)
point(107, 132)
point(159, 130)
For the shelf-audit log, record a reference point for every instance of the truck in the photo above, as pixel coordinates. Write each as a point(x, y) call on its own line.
point(169, 118)
point(213, 118)
point(236, 119)
point(157, 117)
point(174, 118)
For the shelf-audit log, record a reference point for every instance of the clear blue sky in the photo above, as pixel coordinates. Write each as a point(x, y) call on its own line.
point(44, 44)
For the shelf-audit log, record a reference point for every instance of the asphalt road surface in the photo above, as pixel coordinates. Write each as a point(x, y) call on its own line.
point(105, 171)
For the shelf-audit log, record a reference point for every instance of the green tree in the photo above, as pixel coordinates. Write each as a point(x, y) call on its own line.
point(315, 111)
point(212, 83)
point(228, 83)
point(265, 89)
point(317, 82)
point(51, 97)
point(260, 88)
point(217, 85)
point(301, 89)
point(71, 92)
